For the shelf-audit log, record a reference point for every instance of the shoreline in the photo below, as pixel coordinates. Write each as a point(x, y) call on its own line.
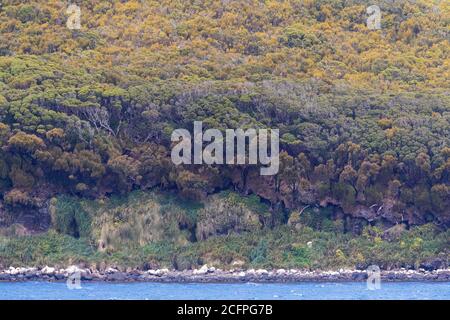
point(212, 275)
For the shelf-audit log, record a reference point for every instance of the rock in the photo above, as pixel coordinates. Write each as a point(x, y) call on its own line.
point(73, 269)
point(116, 276)
point(48, 270)
point(153, 272)
point(238, 263)
point(158, 272)
point(443, 276)
point(13, 271)
point(111, 270)
point(60, 276)
point(211, 274)
point(86, 276)
point(261, 272)
point(21, 270)
point(30, 276)
point(5, 277)
point(202, 270)
point(359, 276)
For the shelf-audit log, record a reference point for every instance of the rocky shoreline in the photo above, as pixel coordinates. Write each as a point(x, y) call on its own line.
point(213, 275)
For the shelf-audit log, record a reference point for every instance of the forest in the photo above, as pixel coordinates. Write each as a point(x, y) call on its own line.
point(363, 115)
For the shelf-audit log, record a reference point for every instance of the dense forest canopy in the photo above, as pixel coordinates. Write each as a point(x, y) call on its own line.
point(364, 115)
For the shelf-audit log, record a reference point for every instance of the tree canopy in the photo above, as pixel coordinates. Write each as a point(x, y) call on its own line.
point(364, 115)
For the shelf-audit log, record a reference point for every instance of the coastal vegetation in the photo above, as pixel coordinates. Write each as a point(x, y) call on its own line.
point(166, 237)
point(86, 117)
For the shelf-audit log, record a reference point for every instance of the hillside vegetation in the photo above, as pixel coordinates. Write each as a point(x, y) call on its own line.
point(364, 115)
point(156, 230)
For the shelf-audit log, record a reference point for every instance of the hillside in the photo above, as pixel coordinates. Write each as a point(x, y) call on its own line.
point(151, 230)
point(364, 115)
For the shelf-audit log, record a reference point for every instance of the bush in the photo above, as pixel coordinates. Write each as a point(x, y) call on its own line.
point(258, 255)
point(45, 249)
point(71, 218)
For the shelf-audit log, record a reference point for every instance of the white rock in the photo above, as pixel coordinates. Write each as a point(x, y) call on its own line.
point(281, 271)
point(211, 269)
point(241, 274)
point(73, 269)
point(48, 270)
point(22, 270)
point(111, 270)
point(202, 270)
point(157, 272)
point(14, 271)
point(261, 271)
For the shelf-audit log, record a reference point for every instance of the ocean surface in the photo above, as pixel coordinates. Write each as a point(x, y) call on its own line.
point(174, 291)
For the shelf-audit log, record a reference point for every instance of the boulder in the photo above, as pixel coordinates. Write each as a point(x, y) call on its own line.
point(73, 269)
point(261, 272)
point(116, 276)
point(202, 270)
point(48, 270)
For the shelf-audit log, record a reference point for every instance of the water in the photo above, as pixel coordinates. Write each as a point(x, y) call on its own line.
point(175, 291)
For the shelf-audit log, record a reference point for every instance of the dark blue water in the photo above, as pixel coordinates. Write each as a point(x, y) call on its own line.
point(293, 291)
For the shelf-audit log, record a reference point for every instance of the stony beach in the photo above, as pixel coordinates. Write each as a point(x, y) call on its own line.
point(207, 274)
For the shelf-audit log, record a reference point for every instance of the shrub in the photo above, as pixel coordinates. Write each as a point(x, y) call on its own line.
point(71, 218)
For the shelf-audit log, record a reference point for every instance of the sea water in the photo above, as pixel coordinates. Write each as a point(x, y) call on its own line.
point(254, 291)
